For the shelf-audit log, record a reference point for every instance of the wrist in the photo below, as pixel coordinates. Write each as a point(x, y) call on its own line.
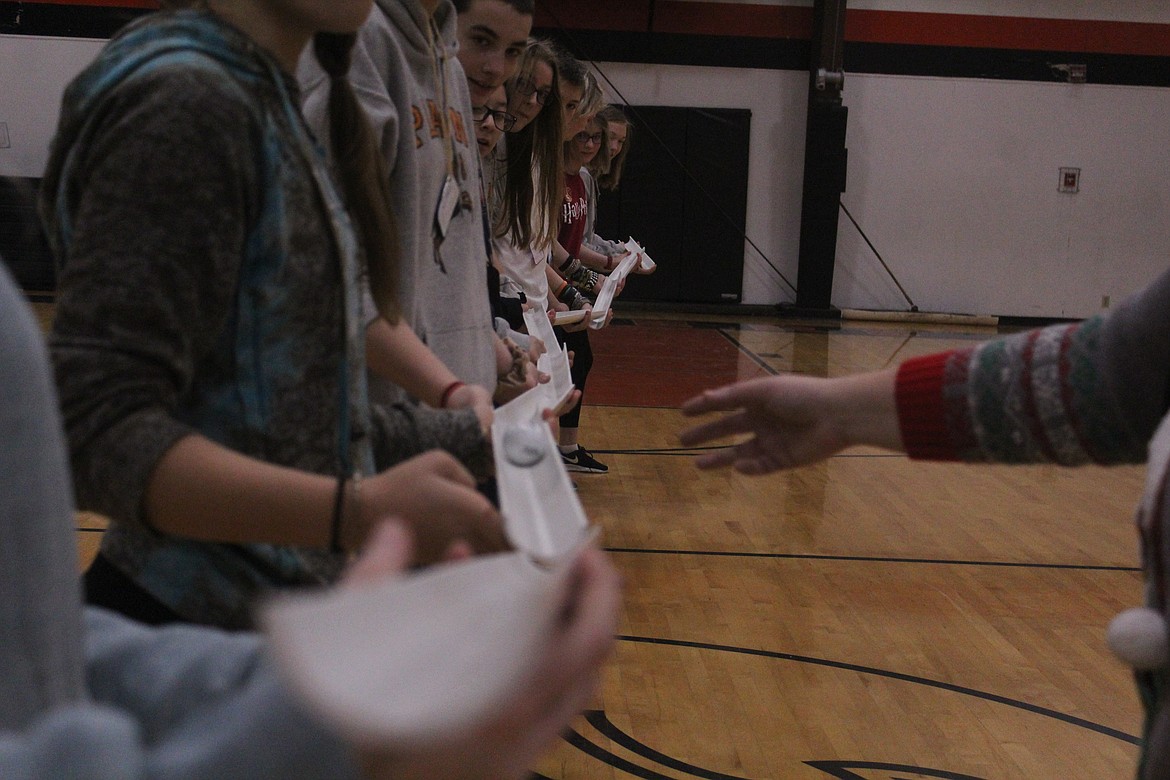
point(570, 265)
point(336, 521)
point(448, 391)
point(868, 410)
point(346, 531)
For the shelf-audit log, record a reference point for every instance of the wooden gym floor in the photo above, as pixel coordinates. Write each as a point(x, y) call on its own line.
point(867, 618)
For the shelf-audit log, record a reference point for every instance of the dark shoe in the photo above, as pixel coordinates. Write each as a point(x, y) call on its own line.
point(581, 460)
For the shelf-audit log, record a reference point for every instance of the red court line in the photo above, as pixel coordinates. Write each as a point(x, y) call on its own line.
point(661, 364)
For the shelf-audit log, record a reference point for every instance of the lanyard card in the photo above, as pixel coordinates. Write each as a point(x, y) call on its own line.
point(448, 205)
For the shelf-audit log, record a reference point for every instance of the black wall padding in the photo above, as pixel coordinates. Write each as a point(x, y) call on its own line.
point(684, 197)
point(22, 243)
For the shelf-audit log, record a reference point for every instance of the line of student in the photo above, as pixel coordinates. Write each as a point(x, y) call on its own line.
point(258, 285)
point(223, 292)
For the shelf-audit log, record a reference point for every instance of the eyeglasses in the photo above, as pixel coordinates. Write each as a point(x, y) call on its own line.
point(527, 89)
point(586, 138)
point(501, 119)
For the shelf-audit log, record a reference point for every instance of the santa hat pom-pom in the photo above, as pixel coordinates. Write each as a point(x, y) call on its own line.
point(1139, 637)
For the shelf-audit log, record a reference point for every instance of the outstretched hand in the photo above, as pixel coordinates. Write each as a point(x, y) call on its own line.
point(793, 420)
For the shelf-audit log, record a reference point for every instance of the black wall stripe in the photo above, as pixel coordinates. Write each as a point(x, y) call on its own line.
point(79, 21)
point(65, 21)
point(876, 58)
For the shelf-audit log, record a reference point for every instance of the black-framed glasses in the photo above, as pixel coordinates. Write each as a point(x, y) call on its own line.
point(588, 138)
point(527, 89)
point(501, 119)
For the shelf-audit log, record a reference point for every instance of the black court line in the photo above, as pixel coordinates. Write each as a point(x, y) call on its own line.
point(90, 530)
point(666, 450)
point(759, 361)
point(877, 559)
point(633, 406)
point(836, 768)
point(598, 720)
point(910, 337)
point(696, 451)
point(756, 327)
point(910, 678)
point(615, 761)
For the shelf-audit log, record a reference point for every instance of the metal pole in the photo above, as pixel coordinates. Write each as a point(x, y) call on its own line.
point(825, 161)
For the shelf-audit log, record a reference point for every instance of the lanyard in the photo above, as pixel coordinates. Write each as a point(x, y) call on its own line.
point(439, 59)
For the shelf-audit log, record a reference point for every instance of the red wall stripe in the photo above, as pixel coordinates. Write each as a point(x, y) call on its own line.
point(795, 22)
point(750, 21)
point(1002, 32)
point(152, 4)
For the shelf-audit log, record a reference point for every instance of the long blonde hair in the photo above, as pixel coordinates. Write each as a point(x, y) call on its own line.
point(534, 177)
point(610, 176)
point(592, 98)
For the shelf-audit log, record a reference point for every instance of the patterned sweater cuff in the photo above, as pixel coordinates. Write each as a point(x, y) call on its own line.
point(921, 411)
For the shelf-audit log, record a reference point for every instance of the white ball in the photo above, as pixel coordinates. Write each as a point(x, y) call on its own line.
point(1139, 637)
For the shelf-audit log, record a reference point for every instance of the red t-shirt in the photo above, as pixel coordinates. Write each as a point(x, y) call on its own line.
point(573, 213)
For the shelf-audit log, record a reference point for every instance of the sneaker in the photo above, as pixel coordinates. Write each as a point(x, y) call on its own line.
point(581, 460)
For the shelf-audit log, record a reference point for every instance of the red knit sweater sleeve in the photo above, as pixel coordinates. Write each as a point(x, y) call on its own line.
point(922, 415)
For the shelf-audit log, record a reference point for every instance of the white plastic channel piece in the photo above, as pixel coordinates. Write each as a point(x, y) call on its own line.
point(568, 317)
point(609, 289)
point(423, 660)
point(344, 651)
point(555, 360)
point(543, 516)
point(646, 264)
point(530, 405)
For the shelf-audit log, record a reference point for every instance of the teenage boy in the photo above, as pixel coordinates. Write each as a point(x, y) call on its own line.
point(492, 36)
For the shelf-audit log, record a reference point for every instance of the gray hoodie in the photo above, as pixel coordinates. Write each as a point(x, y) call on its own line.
point(415, 93)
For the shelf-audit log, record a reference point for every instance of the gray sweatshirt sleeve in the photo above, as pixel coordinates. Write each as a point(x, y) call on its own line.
point(408, 429)
point(592, 240)
point(207, 704)
point(149, 276)
point(91, 696)
point(175, 703)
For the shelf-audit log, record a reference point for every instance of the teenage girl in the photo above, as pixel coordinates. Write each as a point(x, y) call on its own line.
point(620, 133)
point(569, 256)
point(523, 176)
point(208, 343)
point(604, 171)
point(88, 693)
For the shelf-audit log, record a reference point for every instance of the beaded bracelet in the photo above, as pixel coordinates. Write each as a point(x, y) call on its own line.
point(447, 393)
point(335, 524)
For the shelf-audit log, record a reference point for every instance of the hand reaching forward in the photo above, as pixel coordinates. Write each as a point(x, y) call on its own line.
point(794, 420)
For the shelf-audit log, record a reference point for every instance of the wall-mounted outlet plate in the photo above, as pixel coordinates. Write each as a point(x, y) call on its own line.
point(4, 142)
point(1070, 180)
